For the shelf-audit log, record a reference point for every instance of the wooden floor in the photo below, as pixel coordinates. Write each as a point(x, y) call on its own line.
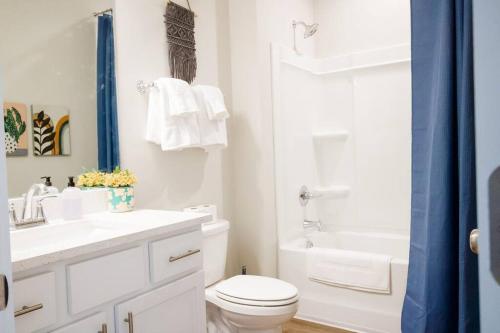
point(300, 326)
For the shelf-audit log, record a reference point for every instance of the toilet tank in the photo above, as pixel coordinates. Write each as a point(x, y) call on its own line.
point(215, 236)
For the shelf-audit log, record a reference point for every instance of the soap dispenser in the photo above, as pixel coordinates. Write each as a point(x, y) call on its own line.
point(48, 183)
point(72, 201)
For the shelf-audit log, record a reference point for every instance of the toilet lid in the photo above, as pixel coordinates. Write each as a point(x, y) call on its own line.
point(257, 290)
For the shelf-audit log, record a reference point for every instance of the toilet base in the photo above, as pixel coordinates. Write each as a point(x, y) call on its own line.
point(219, 321)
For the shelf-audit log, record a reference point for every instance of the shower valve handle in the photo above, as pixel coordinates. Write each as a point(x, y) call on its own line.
point(305, 195)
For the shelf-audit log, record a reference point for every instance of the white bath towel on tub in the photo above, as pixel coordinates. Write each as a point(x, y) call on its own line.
point(350, 269)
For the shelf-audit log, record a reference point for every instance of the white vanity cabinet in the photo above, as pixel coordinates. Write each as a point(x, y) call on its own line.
point(140, 285)
point(174, 307)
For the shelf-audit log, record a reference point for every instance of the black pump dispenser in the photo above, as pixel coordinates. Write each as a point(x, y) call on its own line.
point(71, 181)
point(47, 180)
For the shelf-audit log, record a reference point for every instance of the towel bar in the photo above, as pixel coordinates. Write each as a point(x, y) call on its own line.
point(142, 87)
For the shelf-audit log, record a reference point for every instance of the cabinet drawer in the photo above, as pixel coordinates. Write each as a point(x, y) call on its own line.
point(103, 279)
point(92, 324)
point(35, 302)
point(175, 256)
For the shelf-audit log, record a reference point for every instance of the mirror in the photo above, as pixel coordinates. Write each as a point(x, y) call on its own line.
point(48, 58)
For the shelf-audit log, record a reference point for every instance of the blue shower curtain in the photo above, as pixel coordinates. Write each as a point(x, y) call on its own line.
point(107, 120)
point(442, 290)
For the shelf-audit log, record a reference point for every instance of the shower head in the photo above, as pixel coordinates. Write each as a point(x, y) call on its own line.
point(309, 30)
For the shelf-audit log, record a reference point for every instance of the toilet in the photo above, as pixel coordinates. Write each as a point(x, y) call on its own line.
point(242, 303)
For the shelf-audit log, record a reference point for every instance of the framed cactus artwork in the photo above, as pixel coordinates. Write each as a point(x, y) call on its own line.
point(51, 131)
point(15, 127)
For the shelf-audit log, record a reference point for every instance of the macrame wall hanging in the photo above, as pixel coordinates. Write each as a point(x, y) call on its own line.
point(181, 43)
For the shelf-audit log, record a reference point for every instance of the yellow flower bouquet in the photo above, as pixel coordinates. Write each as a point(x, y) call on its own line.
point(91, 179)
point(119, 178)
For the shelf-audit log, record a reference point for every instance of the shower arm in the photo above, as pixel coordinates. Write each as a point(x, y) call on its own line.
point(294, 24)
point(310, 29)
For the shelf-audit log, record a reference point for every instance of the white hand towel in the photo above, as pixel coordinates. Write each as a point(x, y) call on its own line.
point(350, 269)
point(213, 133)
point(214, 99)
point(155, 122)
point(173, 133)
point(181, 101)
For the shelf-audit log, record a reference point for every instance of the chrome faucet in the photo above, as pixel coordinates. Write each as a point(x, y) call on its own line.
point(35, 190)
point(30, 217)
point(309, 224)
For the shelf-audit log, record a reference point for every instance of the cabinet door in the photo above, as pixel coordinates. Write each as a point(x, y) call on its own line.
point(93, 324)
point(176, 307)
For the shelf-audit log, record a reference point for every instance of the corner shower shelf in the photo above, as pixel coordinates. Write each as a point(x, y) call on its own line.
point(338, 135)
point(394, 55)
point(333, 192)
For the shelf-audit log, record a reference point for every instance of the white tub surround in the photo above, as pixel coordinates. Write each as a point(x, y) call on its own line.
point(111, 272)
point(342, 128)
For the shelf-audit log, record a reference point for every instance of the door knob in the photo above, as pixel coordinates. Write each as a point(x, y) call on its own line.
point(473, 241)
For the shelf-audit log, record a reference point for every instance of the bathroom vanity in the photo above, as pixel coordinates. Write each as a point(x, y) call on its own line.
point(132, 272)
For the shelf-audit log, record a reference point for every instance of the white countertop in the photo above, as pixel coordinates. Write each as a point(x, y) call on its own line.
point(61, 240)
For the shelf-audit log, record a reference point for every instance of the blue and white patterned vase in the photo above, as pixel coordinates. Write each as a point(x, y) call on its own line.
point(121, 199)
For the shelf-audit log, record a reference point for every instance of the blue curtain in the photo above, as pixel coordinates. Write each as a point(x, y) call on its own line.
point(107, 120)
point(442, 289)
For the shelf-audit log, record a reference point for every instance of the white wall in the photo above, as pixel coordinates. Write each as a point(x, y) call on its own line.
point(253, 26)
point(170, 180)
point(49, 56)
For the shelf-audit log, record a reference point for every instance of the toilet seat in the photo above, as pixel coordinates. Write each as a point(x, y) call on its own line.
point(248, 310)
point(259, 291)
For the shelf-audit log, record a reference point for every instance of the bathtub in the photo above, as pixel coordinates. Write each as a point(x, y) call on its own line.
point(345, 308)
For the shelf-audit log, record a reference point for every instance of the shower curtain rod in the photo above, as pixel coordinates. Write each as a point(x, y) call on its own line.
point(109, 10)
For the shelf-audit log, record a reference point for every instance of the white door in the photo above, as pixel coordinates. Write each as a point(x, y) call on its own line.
point(487, 99)
point(6, 313)
point(177, 307)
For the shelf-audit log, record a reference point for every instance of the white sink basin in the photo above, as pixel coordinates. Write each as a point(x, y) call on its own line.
point(59, 240)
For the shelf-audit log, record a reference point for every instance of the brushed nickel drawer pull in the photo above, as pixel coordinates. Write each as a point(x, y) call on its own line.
point(104, 329)
point(187, 254)
point(27, 309)
point(130, 321)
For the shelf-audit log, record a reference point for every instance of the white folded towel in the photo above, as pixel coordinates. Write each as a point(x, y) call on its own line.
point(213, 133)
point(214, 99)
point(181, 101)
point(350, 269)
point(173, 133)
point(155, 120)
